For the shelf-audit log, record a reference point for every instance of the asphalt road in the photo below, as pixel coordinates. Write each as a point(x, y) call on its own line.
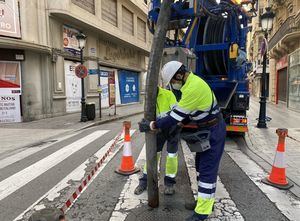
point(98, 201)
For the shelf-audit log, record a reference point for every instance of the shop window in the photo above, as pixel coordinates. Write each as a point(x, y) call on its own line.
point(294, 81)
point(109, 11)
point(127, 21)
point(141, 25)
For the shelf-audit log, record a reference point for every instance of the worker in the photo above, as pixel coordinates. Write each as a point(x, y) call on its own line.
point(165, 101)
point(198, 104)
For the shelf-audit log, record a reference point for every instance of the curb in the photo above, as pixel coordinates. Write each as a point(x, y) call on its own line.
point(17, 150)
point(97, 123)
point(264, 164)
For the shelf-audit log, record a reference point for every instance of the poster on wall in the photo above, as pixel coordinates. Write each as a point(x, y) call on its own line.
point(73, 87)
point(69, 40)
point(10, 78)
point(9, 19)
point(111, 88)
point(10, 111)
point(129, 86)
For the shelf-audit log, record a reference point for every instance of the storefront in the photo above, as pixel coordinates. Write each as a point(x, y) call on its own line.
point(282, 80)
point(10, 85)
point(294, 81)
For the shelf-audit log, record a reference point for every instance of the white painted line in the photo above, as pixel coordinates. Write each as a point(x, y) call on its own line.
point(18, 180)
point(76, 175)
point(284, 201)
point(128, 200)
point(224, 204)
point(29, 151)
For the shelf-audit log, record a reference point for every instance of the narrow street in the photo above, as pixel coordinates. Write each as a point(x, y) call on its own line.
point(49, 176)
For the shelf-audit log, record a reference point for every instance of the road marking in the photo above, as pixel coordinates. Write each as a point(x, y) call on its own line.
point(20, 179)
point(29, 151)
point(283, 200)
point(58, 191)
point(128, 200)
point(225, 208)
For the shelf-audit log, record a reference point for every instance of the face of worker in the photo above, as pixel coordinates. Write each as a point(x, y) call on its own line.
point(177, 81)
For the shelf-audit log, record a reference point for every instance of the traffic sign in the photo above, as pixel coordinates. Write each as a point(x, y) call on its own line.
point(81, 71)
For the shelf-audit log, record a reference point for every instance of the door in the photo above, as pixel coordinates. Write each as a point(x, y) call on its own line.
point(282, 85)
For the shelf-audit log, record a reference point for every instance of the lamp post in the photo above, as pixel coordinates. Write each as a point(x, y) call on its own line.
point(81, 38)
point(267, 25)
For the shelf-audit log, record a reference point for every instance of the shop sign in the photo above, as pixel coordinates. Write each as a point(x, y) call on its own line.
point(10, 78)
point(70, 41)
point(73, 87)
point(9, 19)
point(10, 111)
point(129, 86)
point(282, 63)
point(111, 88)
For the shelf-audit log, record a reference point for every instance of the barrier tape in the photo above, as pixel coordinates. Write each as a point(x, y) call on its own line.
point(87, 179)
point(294, 139)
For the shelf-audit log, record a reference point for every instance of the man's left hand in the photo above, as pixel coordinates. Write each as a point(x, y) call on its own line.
point(144, 125)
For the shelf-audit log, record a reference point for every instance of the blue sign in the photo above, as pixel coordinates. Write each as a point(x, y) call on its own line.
point(95, 71)
point(129, 86)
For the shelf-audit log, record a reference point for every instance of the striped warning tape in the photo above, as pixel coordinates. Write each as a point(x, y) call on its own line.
point(87, 179)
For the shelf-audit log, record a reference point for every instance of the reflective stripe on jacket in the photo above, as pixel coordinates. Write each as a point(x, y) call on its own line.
point(198, 100)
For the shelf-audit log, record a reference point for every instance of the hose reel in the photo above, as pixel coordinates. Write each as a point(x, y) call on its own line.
point(215, 62)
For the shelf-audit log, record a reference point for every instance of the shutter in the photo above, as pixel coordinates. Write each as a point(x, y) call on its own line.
point(141, 26)
point(88, 5)
point(109, 11)
point(127, 21)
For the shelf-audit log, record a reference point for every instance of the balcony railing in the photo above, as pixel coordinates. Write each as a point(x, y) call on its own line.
point(287, 27)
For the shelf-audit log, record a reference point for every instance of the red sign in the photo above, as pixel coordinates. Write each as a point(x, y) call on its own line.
point(81, 71)
point(111, 88)
point(282, 63)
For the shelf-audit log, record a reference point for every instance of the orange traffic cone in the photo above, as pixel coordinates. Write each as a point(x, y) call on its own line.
point(277, 178)
point(127, 165)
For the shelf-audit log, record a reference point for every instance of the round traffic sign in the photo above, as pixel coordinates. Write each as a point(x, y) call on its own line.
point(81, 71)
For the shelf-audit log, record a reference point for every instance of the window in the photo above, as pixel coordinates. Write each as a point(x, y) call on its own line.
point(127, 21)
point(88, 5)
point(109, 11)
point(141, 26)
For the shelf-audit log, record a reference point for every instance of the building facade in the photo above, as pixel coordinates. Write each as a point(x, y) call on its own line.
point(39, 52)
point(284, 45)
point(255, 39)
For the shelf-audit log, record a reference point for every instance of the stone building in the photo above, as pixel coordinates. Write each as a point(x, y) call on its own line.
point(283, 75)
point(284, 47)
point(39, 52)
point(255, 38)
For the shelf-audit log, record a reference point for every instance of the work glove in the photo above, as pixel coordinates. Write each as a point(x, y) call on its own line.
point(144, 125)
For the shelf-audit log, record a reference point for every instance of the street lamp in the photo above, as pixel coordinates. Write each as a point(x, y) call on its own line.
point(267, 25)
point(81, 38)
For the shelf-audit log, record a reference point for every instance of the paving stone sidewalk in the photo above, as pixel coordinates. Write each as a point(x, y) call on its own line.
point(263, 142)
point(16, 136)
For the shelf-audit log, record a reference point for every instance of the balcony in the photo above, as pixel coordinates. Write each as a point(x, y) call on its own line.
point(287, 27)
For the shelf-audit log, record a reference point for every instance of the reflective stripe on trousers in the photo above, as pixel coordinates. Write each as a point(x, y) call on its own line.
point(207, 165)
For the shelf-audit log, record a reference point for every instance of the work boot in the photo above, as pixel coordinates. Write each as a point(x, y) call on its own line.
point(197, 217)
point(140, 189)
point(169, 190)
point(190, 205)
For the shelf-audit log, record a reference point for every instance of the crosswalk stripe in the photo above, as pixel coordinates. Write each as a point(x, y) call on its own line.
point(75, 176)
point(20, 179)
point(29, 151)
